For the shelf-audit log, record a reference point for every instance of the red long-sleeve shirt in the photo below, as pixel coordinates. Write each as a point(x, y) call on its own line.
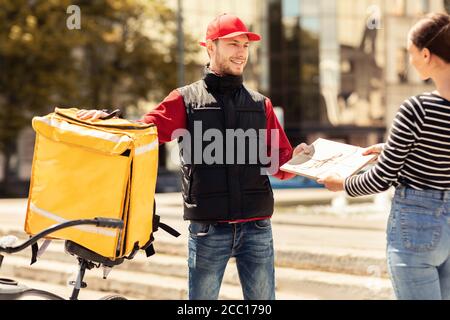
point(170, 115)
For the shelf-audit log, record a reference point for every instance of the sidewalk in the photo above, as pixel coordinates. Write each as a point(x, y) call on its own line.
point(321, 251)
point(283, 197)
point(303, 207)
point(299, 228)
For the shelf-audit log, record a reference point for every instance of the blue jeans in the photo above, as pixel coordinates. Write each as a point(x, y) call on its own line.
point(212, 245)
point(418, 244)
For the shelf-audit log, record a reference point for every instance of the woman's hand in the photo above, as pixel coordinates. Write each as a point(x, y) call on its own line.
point(332, 182)
point(91, 114)
point(376, 149)
point(303, 147)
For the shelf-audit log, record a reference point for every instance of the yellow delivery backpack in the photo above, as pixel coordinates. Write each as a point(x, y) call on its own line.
point(84, 169)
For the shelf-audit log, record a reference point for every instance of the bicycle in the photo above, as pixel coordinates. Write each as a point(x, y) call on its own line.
point(87, 260)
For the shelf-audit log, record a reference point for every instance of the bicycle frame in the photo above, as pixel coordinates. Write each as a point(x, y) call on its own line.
point(12, 290)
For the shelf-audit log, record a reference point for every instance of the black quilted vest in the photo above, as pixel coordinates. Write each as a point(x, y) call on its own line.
point(224, 189)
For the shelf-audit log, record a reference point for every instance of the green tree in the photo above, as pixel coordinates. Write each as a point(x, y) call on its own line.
point(124, 51)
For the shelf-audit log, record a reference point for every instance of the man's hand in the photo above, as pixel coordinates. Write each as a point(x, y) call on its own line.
point(91, 114)
point(303, 147)
point(332, 182)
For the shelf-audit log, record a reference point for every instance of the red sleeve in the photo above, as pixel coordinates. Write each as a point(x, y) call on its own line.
point(284, 146)
point(168, 116)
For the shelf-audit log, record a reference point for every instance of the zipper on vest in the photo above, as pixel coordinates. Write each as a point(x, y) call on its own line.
point(191, 177)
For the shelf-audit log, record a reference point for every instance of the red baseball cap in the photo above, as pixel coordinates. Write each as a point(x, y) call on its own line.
point(228, 26)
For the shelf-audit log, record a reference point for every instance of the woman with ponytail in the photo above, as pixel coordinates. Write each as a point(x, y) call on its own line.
point(416, 161)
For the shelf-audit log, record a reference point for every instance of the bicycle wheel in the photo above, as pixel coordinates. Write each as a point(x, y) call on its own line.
point(113, 297)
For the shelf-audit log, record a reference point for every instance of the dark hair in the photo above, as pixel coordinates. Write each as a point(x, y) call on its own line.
point(433, 33)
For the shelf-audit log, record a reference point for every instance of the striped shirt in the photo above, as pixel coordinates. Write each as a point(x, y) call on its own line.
point(417, 153)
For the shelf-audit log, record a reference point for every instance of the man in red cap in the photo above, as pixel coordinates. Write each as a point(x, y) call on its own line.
point(234, 34)
point(228, 203)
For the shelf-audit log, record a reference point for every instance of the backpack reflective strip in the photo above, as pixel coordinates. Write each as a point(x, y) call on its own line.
point(57, 218)
point(147, 148)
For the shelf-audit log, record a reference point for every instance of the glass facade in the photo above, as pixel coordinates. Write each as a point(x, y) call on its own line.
point(326, 66)
point(338, 68)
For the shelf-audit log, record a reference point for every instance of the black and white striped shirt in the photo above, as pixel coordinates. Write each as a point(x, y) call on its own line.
point(417, 153)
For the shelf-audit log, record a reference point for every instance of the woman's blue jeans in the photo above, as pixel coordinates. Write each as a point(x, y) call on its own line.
point(212, 245)
point(418, 244)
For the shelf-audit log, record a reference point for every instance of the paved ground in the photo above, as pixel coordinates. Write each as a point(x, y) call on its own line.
point(293, 226)
point(333, 242)
point(357, 234)
point(296, 224)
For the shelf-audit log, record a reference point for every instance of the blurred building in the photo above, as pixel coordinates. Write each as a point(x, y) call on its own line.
point(338, 69)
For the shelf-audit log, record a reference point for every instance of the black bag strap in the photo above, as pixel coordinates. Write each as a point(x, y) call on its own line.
point(169, 229)
point(150, 250)
point(34, 252)
point(148, 247)
point(158, 224)
point(133, 252)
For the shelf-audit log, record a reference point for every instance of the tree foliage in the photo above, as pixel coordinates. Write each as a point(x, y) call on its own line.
point(124, 51)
